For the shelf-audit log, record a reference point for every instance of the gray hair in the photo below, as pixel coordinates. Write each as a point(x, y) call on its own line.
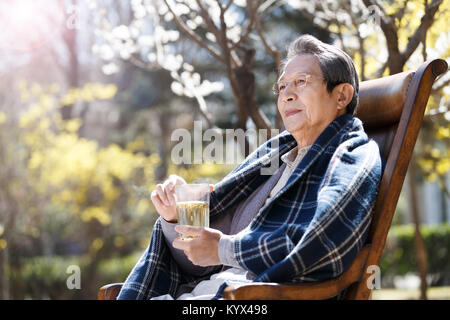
point(337, 67)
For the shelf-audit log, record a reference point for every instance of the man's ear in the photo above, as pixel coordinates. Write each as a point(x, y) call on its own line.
point(343, 93)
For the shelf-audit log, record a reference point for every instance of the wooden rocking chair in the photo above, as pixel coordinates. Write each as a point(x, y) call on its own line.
point(391, 109)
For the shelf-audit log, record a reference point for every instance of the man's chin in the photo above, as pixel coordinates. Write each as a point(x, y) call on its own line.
point(292, 127)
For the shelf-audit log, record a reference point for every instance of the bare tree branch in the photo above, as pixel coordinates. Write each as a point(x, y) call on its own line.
point(425, 23)
point(399, 14)
point(361, 39)
point(192, 35)
point(440, 86)
point(267, 7)
point(390, 31)
point(253, 14)
point(269, 48)
point(436, 113)
point(205, 16)
point(228, 5)
point(219, 4)
point(140, 63)
point(274, 53)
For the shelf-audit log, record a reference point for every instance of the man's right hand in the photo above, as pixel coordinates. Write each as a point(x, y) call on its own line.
point(163, 198)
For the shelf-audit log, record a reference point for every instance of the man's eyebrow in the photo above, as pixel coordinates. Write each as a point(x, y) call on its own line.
point(294, 74)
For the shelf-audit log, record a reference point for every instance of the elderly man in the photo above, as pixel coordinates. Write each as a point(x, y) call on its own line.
point(305, 222)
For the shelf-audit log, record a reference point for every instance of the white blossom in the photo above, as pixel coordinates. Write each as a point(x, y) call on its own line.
point(240, 3)
point(188, 67)
point(177, 88)
point(147, 36)
point(121, 32)
point(207, 87)
point(168, 17)
point(152, 57)
point(104, 51)
point(171, 62)
point(231, 18)
point(234, 33)
point(198, 20)
point(146, 41)
point(110, 68)
point(191, 24)
point(211, 37)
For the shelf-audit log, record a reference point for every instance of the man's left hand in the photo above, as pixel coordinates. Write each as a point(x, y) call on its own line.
point(203, 248)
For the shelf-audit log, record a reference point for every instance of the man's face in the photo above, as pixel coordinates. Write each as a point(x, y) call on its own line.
point(306, 110)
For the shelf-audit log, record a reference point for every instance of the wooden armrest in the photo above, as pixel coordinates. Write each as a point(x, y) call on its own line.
point(109, 291)
point(276, 291)
point(300, 291)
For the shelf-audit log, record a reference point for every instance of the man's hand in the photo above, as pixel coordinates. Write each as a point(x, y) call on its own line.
point(203, 249)
point(163, 198)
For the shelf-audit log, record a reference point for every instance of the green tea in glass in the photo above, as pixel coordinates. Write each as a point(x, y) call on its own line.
point(192, 205)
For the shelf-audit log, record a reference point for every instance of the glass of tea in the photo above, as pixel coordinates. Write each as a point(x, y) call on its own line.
point(192, 205)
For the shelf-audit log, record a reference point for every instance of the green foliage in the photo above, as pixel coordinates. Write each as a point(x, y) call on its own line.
point(64, 193)
point(46, 277)
point(399, 256)
point(116, 269)
point(43, 278)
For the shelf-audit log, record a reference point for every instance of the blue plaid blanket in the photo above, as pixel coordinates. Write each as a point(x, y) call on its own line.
point(311, 230)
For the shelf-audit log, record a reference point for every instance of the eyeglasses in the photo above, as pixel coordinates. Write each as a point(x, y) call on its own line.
point(299, 82)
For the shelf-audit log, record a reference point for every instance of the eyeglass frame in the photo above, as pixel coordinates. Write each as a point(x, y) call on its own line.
point(275, 87)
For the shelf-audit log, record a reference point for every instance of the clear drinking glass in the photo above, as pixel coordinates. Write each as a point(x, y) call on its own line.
point(192, 205)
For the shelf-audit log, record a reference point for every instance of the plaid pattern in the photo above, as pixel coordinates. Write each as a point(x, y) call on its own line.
point(311, 230)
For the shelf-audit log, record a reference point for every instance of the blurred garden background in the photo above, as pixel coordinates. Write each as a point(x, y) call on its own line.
point(91, 91)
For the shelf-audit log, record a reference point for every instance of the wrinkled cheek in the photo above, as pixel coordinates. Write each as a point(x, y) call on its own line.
point(279, 106)
point(307, 115)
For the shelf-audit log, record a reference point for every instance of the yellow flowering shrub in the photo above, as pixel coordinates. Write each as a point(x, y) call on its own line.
point(72, 178)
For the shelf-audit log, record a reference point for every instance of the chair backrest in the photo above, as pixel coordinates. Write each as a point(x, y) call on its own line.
point(392, 110)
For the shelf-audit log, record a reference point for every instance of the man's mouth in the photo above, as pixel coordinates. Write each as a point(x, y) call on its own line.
point(291, 112)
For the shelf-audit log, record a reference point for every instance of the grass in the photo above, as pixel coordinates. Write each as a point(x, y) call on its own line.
point(433, 293)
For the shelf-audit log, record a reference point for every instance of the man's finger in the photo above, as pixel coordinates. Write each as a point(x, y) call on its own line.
point(169, 192)
point(177, 179)
point(168, 184)
point(181, 244)
point(159, 190)
point(155, 199)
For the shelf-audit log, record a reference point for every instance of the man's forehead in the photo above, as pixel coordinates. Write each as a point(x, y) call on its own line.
point(301, 64)
point(295, 72)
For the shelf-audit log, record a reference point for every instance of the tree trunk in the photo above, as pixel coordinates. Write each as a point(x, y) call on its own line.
point(419, 244)
point(244, 91)
point(163, 147)
point(4, 281)
point(72, 73)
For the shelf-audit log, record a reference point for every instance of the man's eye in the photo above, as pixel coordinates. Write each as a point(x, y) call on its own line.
point(281, 87)
point(300, 82)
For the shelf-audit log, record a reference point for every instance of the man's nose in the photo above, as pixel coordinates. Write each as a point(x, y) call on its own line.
point(290, 94)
